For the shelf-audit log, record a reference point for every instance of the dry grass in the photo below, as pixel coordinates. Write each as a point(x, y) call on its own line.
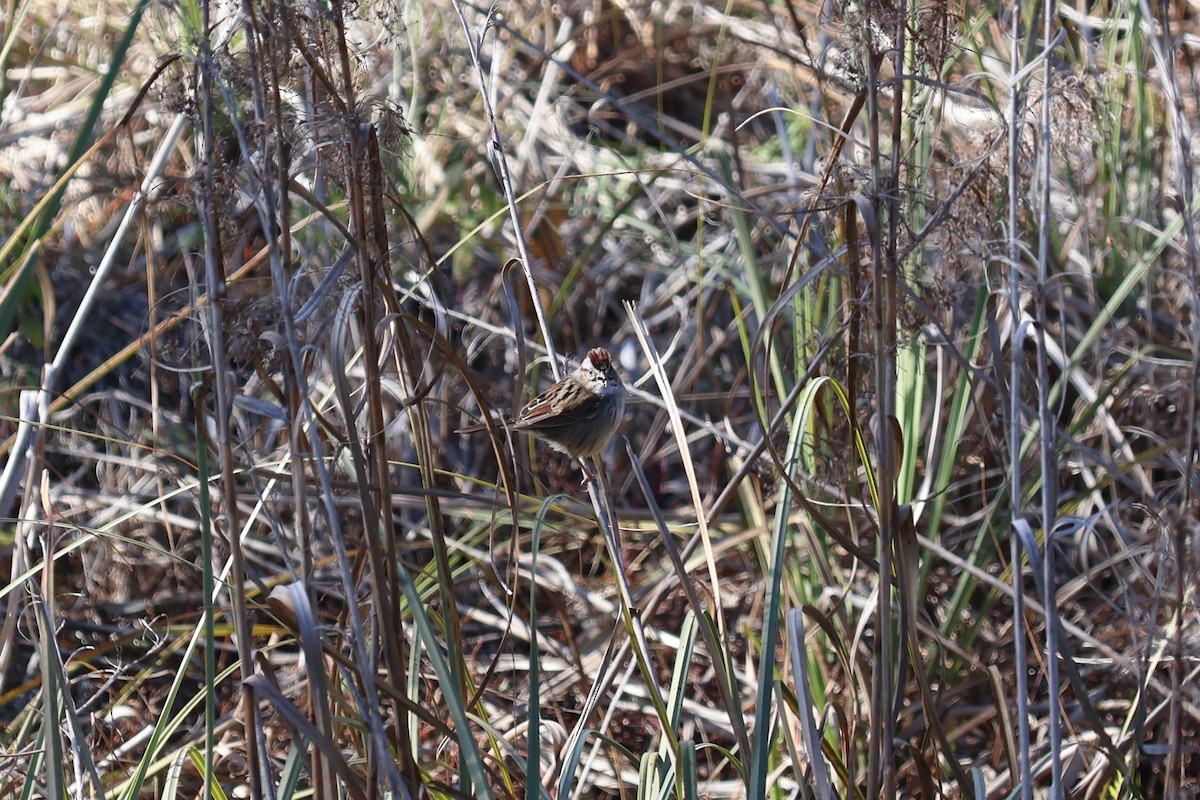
point(880, 336)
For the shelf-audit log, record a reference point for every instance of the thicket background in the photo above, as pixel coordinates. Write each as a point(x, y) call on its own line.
point(904, 503)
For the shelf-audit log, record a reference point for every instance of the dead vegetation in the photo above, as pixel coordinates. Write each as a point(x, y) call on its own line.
point(891, 306)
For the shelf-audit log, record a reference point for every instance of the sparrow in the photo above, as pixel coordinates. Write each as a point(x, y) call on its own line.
point(577, 415)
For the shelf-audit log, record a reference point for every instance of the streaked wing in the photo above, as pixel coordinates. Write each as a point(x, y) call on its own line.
point(544, 413)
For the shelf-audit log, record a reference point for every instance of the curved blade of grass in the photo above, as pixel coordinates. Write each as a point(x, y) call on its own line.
point(471, 758)
point(580, 733)
point(289, 776)
point(301, 724)
point(171, 784)
point(721, 658)
point(53, 683)
point(761, 748)
point(910, 409)
point(649, 779)
point(689, 467)
point(677, 690)
point(204, 765)
point(789, 491)
point(808, 725)
point(687, 771)
point(534, 790)
point(955, 422)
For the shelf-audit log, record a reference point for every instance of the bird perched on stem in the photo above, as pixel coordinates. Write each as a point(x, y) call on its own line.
point(577, 415)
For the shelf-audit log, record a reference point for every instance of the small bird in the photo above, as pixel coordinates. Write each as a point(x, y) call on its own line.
point(580, 413)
